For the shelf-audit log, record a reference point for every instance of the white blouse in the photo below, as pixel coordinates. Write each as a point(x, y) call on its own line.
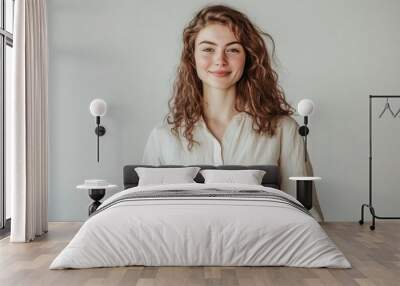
point(240, 145)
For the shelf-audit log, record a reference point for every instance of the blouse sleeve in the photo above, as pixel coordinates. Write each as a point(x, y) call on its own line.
point(292, 162)
point(152, 155)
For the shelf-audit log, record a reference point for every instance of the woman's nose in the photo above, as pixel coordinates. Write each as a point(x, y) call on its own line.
point(220, 59)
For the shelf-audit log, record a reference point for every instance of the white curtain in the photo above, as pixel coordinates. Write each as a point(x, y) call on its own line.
point(27, 123)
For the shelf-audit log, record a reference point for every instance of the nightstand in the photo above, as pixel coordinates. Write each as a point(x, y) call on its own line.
point(96, 193)
point(304, 189)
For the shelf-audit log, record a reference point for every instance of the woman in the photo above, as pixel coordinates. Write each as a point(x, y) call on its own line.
point(227, 107)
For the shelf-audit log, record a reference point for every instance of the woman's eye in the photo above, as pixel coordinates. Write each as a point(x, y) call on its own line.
point(234, 51)
point(208, 50)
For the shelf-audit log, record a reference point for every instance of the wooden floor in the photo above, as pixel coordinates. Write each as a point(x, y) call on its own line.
point(375, 257)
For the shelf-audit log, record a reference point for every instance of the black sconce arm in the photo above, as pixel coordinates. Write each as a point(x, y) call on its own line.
point(303, 130)
point(100, 131)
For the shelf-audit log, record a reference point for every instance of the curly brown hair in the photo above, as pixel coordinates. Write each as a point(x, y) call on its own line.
point(257, 92)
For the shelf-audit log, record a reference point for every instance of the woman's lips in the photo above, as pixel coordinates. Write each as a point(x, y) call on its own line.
point(220, 73)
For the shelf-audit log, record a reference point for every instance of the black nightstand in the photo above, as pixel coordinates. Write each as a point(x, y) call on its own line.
point(96, 193)
point(304, 190)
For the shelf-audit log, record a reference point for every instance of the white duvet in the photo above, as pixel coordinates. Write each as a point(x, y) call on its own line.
point(200, 231)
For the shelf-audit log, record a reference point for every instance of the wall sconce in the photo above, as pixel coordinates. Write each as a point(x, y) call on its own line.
point(98, 108)
point(305, 108)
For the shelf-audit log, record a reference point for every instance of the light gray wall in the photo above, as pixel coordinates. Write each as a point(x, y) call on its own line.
point(126, 52)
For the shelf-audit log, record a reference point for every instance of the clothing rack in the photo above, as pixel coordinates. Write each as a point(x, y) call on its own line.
point(369, 205)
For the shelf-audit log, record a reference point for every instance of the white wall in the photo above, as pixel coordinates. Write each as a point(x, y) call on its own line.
point(126, 52)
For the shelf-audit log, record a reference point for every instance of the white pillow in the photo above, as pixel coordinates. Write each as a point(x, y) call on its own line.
point(248, 177)
point(162, 176)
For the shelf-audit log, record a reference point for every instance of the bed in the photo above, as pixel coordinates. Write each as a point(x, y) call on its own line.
point(198, 224)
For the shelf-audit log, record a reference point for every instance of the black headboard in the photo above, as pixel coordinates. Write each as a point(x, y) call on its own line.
point(270, 179)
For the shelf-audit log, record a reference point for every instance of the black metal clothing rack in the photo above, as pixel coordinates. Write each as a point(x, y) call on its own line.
point(369, 205)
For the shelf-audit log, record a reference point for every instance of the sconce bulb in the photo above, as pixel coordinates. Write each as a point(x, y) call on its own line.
point(305, 107)
point(98, 107)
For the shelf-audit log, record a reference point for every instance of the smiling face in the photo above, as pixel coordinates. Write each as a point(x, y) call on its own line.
point(219, 57)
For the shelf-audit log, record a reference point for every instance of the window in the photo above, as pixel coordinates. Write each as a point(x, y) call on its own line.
point(6, 44)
